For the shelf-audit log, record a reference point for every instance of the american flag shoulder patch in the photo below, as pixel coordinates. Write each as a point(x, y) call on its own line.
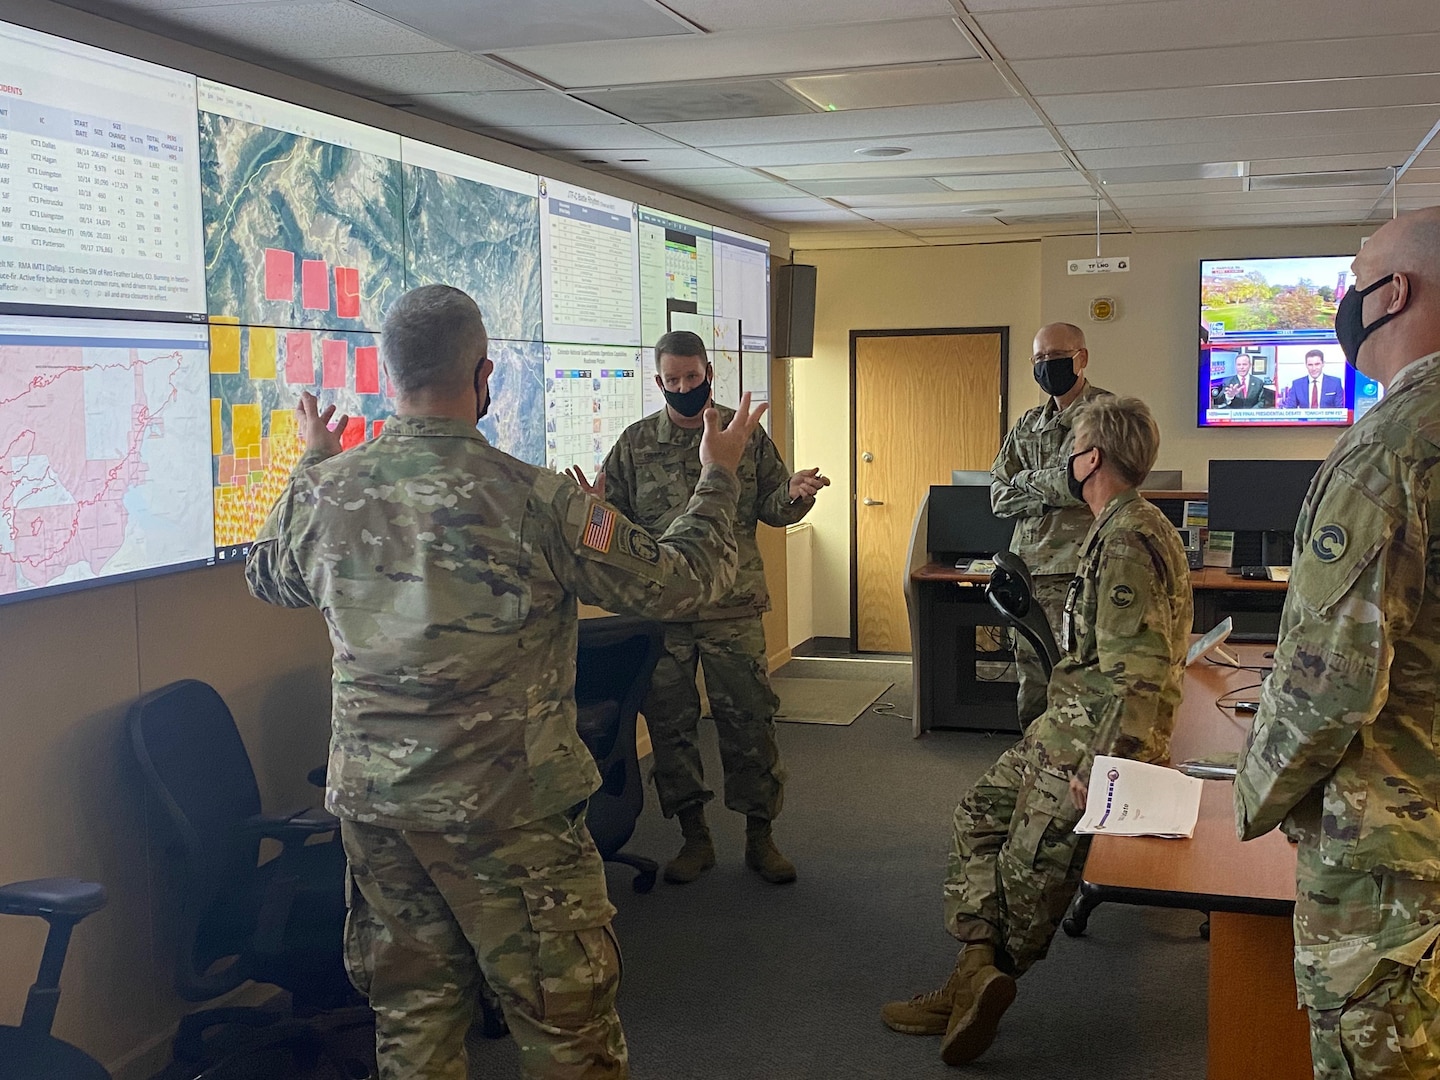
point(600, 529)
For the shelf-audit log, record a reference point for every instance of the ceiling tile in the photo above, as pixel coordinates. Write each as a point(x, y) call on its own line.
point(300, 31)
point(490, 27)
point(911, 166)
point(396, 78)
point(801, 203)
point(995, 181)
point(1341, 58)
point(969, 198)
point(969, 144)
point(673, 103)
point(805, 215)
point(750, 14)
point(513, 108)
point(718, 175)
point(1310, 146)
point(587, 137)
point(1175, 187)
point(657, 161)
point(900, 185)
point(887, 124)
point(738, 53)
point(914, 84)
point(1254, 201)
point(1141, 27)
point(1409, 123)
point(999, 207)
point(1327, 163)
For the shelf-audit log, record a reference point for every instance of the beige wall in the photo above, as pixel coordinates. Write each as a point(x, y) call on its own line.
point(896, 288)
point(1149, 349)
point(70, 665)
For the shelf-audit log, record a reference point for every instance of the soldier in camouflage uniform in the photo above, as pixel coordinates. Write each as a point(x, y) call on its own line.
point(1029, 485)
point(1343, 751)
point(448, 574)
point(646, 477)
point(1125, 626)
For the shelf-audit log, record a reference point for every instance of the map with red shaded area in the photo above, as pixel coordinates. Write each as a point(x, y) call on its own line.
point(100, 450)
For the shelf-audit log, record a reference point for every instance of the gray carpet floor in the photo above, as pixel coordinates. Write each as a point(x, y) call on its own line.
point(733, 979)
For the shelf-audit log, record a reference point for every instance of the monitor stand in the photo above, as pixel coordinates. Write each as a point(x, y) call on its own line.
point(1276, 548)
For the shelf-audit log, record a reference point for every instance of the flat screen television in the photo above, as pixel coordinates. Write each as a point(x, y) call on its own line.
point(1268, 354)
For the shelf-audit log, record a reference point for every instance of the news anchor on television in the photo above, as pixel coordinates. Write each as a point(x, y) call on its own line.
point(1315, 389)
point(1243, 390)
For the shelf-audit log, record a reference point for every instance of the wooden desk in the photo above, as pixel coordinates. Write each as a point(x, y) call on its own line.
point(1255, 1027)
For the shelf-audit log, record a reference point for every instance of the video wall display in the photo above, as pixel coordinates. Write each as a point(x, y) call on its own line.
point(181, 259)
point(1268, 352)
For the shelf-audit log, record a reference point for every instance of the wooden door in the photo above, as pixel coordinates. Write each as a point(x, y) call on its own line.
point(924, 402)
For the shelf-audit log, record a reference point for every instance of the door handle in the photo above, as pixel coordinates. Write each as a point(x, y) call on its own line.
point(873, 502)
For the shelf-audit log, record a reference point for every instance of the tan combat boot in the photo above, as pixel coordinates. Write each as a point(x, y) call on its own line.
point(929, 1014)
point(972, 1029)
point(698, 852)
point(762, 856)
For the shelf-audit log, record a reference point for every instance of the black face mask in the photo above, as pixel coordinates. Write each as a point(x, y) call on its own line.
point(1077, 487)
point(688, 402)
point(481, 410)
point(1057, 376)
point(1350, 328)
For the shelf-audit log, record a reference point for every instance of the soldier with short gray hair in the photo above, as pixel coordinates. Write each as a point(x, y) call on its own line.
point(1125, 627)
point(1344, 752)
point(448, 574)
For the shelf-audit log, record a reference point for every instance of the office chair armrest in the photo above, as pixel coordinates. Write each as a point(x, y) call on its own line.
point(316, 777)
point(66, 897)
point(293, 828)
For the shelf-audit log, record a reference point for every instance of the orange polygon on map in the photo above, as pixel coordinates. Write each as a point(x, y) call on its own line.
point(252, 477)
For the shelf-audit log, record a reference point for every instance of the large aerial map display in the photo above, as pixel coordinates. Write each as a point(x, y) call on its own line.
point(191, 257)
point(100, 424)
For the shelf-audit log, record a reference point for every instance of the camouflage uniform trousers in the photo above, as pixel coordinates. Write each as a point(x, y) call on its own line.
point(1357, 950)
point(1030, 699)
point(1015, 862)
point(743, 705)
point(434, 916)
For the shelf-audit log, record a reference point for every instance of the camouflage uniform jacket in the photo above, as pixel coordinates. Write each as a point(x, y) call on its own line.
point(448, 574)
point(1125, 634)
point(651, 470)
point(1343, 749)
point(1029, 484)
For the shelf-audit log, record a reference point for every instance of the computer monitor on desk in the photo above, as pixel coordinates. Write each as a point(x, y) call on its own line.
point(1263, 497)
point(970, 478)
point(962, 525)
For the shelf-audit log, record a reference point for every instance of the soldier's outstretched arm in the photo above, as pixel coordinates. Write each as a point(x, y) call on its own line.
point(772, 483)
point(1355, 587)
point(1016, 491)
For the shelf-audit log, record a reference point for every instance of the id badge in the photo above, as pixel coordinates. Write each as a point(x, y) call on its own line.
point(1067, 623)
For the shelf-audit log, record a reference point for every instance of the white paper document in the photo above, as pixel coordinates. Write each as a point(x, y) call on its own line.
point(1130, 798)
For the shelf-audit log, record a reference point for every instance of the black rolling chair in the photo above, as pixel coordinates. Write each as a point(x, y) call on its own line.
point(30, 1052)
point(1012, 594)
point(616, 658)
point(278, 922)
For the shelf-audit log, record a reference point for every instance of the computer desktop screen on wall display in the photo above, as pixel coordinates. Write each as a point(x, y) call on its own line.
point(1268, 356)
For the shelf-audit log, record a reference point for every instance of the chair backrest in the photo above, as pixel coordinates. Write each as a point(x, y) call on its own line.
point(196, 765)
point(1012, 593)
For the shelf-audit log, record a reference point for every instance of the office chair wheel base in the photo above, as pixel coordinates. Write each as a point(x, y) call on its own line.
point(644, 882)
point(1205, 930)
point(1072, 928)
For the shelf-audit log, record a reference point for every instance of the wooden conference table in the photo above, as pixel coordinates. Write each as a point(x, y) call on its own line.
point(1255, 1027)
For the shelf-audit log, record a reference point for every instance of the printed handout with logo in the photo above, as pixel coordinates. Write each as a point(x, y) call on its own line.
point(1131, 798)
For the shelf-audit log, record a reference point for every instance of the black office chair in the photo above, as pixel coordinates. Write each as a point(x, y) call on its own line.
point(1012, 594)
point(279, 922)
point(616, 658)
point(30, 1052)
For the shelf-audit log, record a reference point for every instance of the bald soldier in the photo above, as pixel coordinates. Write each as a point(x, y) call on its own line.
point(1028, 484)
point(448, 574)
point(1343, 751)
point(1125, 626)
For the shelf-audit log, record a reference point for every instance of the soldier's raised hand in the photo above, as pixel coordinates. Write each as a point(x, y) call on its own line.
point(727, 446)
point(597, 489)
point(314, 424)
point(806, 483)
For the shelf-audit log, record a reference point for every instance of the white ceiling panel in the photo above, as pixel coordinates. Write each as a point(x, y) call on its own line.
point(589, 137)
point(1408, 123)
point(996, 181)
point(1144, 27)
point(1326, 163)
point(749, 14)
point(1175, 187)
point(999, 208)
point(1311, 146)
point(716, 174)
point(912, 166)
point(489, 27)
point(1256, 201)
point(801, 203)
point(114, 7)
point(302, 31)
point(1341, 58)
point(746, 53)
point(647, 161)
point(395, 78)
point(818, 239)
point(978, 6)
point(515, 109)
point(970, 198)
point(1289, 97)
point(968, 144)
point(832, 214)
point(914, 84)
point(900, 185)
point(887, 124)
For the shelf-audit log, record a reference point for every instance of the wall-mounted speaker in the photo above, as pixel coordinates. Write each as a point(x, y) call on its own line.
point(794, 322)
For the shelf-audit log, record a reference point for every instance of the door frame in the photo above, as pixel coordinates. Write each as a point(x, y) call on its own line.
point(855, 336)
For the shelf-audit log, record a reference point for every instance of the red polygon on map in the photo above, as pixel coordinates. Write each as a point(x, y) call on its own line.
point(280, 275)
point(376, 426)
point(354, 433)
point(367, 369)
point(299, 358)
point(315, 285)
point(334, 356)
point(347, 292)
